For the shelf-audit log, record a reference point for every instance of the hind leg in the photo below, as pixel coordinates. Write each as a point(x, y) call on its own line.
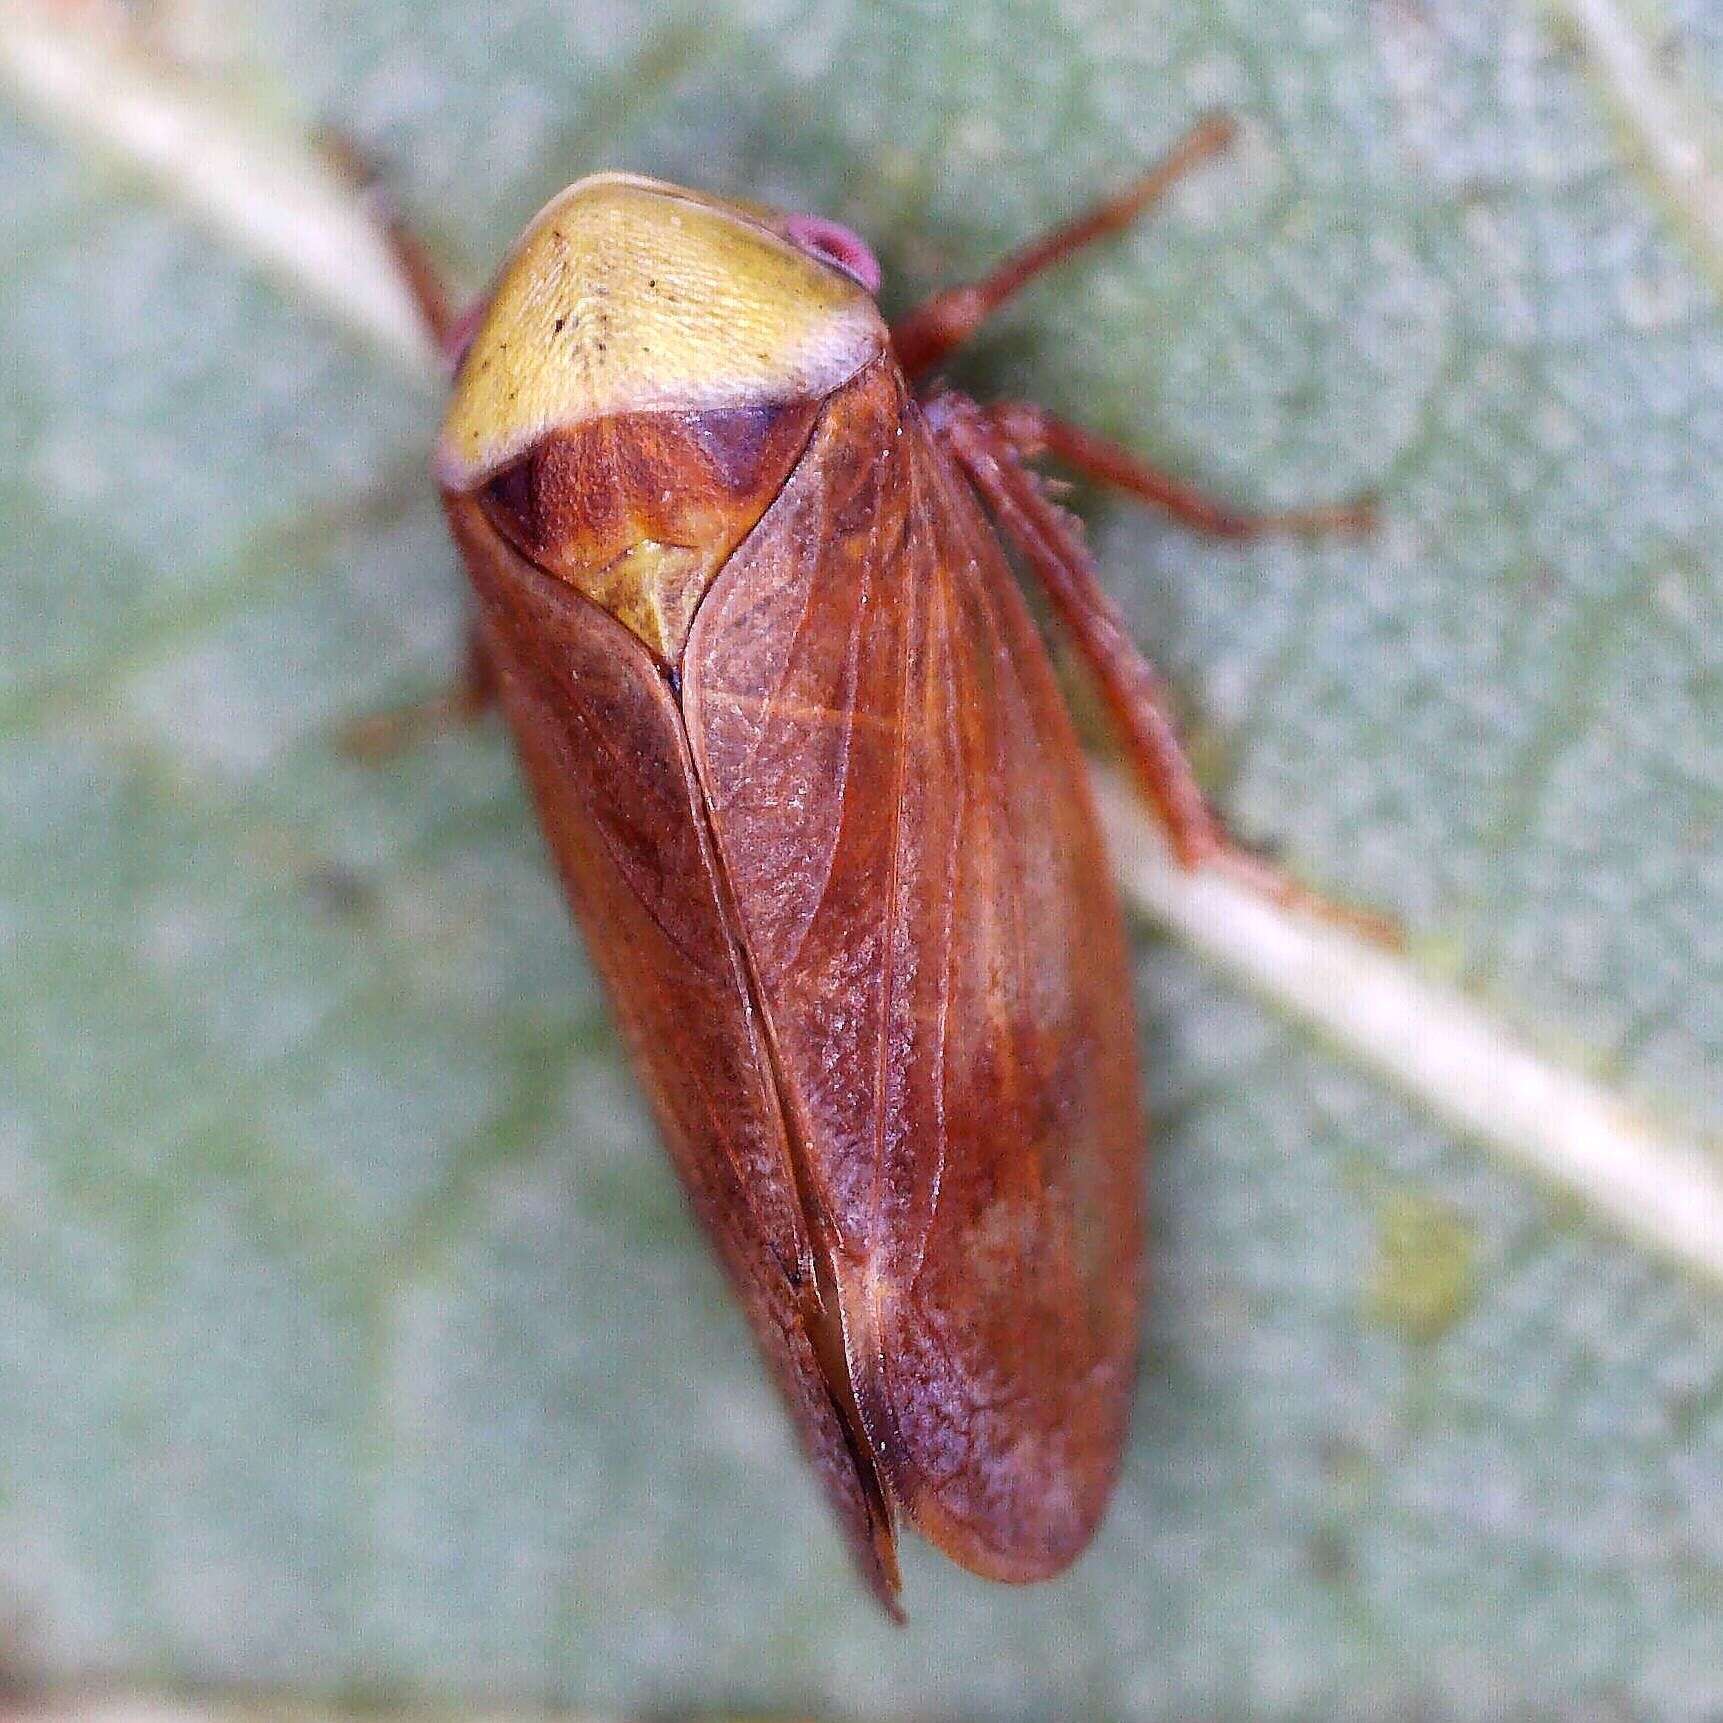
point(1053, 549)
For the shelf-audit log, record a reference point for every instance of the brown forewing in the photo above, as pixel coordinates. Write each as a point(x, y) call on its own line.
point(603, 747)
point(901, 813)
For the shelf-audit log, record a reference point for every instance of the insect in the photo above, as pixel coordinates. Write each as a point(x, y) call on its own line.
point(803, 766)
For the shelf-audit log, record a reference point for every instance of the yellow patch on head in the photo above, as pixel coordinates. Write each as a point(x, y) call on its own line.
point(628, 295)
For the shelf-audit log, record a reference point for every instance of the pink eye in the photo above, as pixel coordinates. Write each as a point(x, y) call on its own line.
point(836, 245)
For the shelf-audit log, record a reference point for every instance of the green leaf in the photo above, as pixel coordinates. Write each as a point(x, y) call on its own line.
point(352, 1334)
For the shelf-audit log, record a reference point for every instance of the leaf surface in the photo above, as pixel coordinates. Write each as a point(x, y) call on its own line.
point(352, 1336)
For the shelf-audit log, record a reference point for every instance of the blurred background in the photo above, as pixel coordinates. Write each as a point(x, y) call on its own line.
point(354, 1344)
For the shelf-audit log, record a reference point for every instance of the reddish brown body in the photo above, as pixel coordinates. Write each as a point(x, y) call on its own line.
point(798, 752)
point(847, 893)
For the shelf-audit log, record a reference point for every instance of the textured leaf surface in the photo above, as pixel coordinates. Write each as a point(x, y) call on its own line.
point(352, 1336)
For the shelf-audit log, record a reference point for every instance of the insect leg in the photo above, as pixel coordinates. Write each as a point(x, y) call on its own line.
point(1051, 542)
point(424, 281)
point(1034, 432)
point(380, 736)
point(928, 333)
